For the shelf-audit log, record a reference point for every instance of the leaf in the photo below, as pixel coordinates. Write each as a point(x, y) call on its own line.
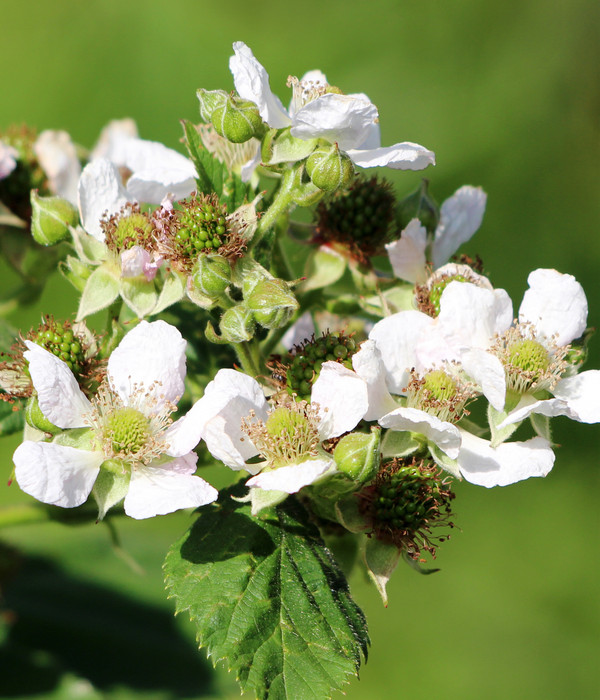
point(211, 173)
point(266, 595)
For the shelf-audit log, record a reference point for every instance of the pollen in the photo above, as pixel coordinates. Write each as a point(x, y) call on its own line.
point(440, 392)
point(128, 228)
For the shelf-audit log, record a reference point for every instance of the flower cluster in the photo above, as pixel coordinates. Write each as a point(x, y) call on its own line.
point(359, 382)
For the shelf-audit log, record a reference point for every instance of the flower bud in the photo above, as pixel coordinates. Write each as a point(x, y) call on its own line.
point(36, 419)
point(51, 218)
point(272, 303)
point(211, 275)
point(330, 169)
point(237, 120)
point(419, 205)
point(237, 324)
point(209, 101)
point(357, 455)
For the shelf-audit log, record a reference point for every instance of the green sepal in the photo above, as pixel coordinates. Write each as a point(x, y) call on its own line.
point(111, 486)
point(80, 438)
point(279, 146)
point(541, 425)
point(414, 564)
point(101, 289)
point(89, 249)
point(172, 291)
point(419, 205)
point(272, 303)
point(36, 419)
point(247, 273)
point(75, 271)
point(266, 596)
point(261, 499)
point(51, 218)
point(213, 337)
point(380, 559)
point(499, 435)
point(139, 295)
point(443, 461)
point(399, 443)
point(237, 324)
point(324, 267)
point(209, 101)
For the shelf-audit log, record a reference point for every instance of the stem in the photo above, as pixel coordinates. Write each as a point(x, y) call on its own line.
point(249, 358)
point(280, 204)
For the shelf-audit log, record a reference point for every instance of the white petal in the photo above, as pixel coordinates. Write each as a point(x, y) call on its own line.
point(400, 156)
point(407, 254)
point(167, 488)
point(396, 337)
point(60, 398)
point(100, 191)
point(251, 81)
point(582, 392)
point(8, 162)
point(556, 305)
point(472, 316)
point(545, 407)
point(227, 399)
point(292, 478)
point(506, 464)
point(111, 137)
point(445, 435)
point(58, 158)
point(373, 139)
point(460, 216)
point(342, 397)
point(157, 171)
point(134, 261)
point(341, 119)
point(55, 474)
point(369, 366)
point(150, 360)
point(487, 371)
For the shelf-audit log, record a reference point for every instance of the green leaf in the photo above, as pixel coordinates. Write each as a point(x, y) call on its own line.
point(211, 173)
point(266, 595)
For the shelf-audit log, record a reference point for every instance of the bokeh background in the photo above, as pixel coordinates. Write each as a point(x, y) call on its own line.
point(506, 94)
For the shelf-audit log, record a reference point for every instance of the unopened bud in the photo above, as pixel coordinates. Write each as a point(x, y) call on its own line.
point(330, 169)
point(209, 101)
point(272, 303)
point(211, 275)
point(357, 455)
point(36, 419)
point(237, 324)
point(237, 120)
point(419, 205)
point(51, 218)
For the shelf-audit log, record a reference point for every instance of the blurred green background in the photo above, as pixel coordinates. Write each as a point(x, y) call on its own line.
point(506, 94)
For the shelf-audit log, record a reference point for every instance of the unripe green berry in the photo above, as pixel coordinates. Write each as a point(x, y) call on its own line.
point(237, 120)
point(51, 218)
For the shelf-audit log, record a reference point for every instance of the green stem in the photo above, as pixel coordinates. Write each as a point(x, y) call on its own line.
point(248, 357)
point(281, 203)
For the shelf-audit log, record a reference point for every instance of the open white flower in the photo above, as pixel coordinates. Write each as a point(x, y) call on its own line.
point(460, 217)
point(239, 424)
point(57, 155)
point(129, 434)
point(8, 159)
point(319, 111)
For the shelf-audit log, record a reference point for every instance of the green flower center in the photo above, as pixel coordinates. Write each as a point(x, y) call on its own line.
point(128, 429)
point(436, 291)
point(529, 356)
point(306, 363)
point(130, 230)
point(440, 386)
point(285, 424)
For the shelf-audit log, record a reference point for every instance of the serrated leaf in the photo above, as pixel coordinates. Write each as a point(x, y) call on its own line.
point(211, 173)
point(267, 596)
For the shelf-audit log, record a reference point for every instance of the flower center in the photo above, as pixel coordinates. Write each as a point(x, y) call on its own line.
point(128, 430)
point(128, 228)
point(529, 356)
point(440, 394)
point(305, 91)
point(290, 434)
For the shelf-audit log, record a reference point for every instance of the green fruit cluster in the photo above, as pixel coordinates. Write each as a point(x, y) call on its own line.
point(60, 340)
point(202, 229)
point(306, 362)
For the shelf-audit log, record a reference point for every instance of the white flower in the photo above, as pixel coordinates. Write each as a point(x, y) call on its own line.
point(57, 155)
point(351, 121)
point(130, 425)
point(239, 424)
point(554, 312)
point(8, 160)
point(460, 217)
